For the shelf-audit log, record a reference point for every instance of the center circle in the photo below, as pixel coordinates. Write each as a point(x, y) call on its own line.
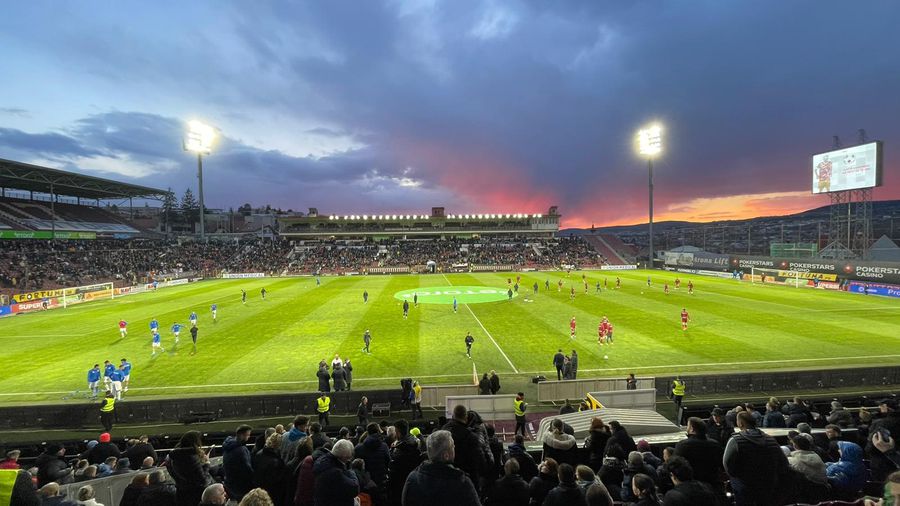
point(463, 294)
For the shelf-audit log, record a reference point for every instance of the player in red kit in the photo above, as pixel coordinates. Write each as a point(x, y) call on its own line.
point(684, 318)
point(123, 328)
point(691, 287)
point(572, 293)
point(666, 288)
point(572, 328)
point(601, 334)
point(677, 283)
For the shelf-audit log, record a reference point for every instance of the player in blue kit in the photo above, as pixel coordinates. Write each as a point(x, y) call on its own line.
point(193, 318)
point(214, 308)
point(125, 367)
point(108, 368)
point(93, 378)
point(455, 304)
point(157, 345)
point(115, 383)
point(154, 327)
point(176, 329)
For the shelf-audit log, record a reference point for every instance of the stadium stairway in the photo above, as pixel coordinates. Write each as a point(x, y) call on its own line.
point(602, 247)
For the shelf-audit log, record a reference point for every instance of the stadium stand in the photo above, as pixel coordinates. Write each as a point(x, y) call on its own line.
point(602, 246)
point(36, 215)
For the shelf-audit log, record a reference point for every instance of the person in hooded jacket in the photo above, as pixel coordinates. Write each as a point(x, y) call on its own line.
point(189, 467)
point(528, 468)
point(237, 464)
point(567, 492)
point(621, 437)
point(510, 490)
point(52, 467)
point(339, 378)
point(437, 482)
point(848, 475)
point(755, 463)
point(558, 445)
point(304, 491)
point(595, 443)
point(335, 483)
point(546, 480)
point(375, 454)
point(635, 466)
point(269, 469)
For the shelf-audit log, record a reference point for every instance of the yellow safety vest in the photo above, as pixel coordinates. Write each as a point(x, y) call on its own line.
point(324, 404)
point(418, 392)
point(519, 407)
point(678, 388)
point(109, 406)
point(7, 482)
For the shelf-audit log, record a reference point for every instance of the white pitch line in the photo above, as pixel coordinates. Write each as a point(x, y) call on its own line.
point(508, 361)
point(713, 364)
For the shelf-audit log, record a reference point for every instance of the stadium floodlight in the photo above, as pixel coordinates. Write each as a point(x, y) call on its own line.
point(650, 145)
point(199, 139)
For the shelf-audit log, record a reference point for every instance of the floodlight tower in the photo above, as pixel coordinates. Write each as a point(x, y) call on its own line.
point(199, 139)
point(650, 145)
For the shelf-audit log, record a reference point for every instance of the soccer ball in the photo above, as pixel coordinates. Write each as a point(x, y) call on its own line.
point(642, 292)
point(605, 357)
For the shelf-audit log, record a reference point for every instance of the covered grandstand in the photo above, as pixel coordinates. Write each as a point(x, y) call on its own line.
point(41, 202)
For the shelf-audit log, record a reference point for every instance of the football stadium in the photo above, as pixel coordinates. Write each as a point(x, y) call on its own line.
point(367, 278)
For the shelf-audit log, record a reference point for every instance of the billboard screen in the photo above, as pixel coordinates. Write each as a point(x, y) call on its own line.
point(847, 168)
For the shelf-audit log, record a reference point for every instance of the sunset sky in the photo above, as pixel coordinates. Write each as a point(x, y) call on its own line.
point(366, 107)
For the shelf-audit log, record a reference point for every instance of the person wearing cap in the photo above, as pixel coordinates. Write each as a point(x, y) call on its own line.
point(52, 467)
point(717, 428)
point(104, 449)
point(11, 461)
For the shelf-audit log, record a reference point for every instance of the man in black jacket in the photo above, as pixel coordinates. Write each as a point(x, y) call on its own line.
point(467, 452)
point(438, 477)
point(138, 450)
point(704, 454)
point(559, 361)
point(687, 490)
point(717, 427)
point(324, 378)
point(755, 463)
point(495, 383)
point(511, 489)
point(102, 450)
point(237, 464)
point(335, 484)
point(52, 467)
point(405, 457)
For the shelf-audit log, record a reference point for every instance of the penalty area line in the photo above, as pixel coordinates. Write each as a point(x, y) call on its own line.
point(508, 361)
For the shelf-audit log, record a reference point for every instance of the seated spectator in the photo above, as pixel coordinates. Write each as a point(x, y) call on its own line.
point(848, 475)
point(567, 408)
point(160, 491)
point(840, 416)
point(662, 472)
point(643, 488)
point(597, 495)
point(805, 461)
point(797, 412)
point(567, 491)
point(546, 480)
point(133, 491)
point(107, 467)
point(828, 442)
point(49, 496)
point(585, 477)
point(754, 462)
point(11, 461)
point(527, 466)
point(773, 418)
point(256, 497)
point(635, 466)
point(214, 495)
point(52, 467)
point(269, 471)
point(148, 463)
point(335, 483)
point(90, 472)
point(704, 454)
point(558, 445)
point(438, 477)
point(123, 466)
point(510, 490)
point(687, 491)
point(237, 464)
point(86, 496)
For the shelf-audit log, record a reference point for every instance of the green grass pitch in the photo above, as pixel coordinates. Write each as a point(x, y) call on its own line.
point(274, 345)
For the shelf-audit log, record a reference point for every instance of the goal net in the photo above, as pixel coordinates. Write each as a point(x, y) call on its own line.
point(777, 276)
point(88, 293)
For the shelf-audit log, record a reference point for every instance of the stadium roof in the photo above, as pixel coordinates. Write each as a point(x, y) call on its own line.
point(24, 176)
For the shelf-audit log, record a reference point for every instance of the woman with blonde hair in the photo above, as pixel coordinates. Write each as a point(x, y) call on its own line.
point(269, 468)
point(256, 497)
point(86, 496)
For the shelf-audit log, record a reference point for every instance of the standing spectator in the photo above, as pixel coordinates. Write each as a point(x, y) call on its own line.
point(631, 382)
point(467, 453)
point(375, 454)
point(138, 450)
point(495, 383)
point(621, 437)
point(335, 483)
point(362, 412)
point(269, 469)
point(405, 457)
point(52, 467)
point(437, 478)
point(348, 372)
point(12, 460)
point(108, 411)
point(324, 377)
point(527, 466)
point(417, 400)
point(519, 407)
point(595, 442)
point(559, 361)
point(160, 492)
point(704, 454)
point(574, 363)
point(339, 377)
point(755, 463)
point(102, 450)
point(678, 386)
point(510, 490)
point(558, 445)
point(612, 472)
point(888, 422)
point(292, 439)
point(688, 491)
point(717, 428)
point(189, 466)
point(139, 483)
point(546, 480)
point(566, 492)
point(484, 386)
point(237, 464)
point(17, 488)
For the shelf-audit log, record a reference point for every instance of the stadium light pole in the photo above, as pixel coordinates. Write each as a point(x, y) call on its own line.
point(650, 145)
point(199, 139)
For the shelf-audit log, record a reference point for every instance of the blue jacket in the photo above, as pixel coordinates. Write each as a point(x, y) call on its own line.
point(116, 375)
point(377, 457)
point(237, 466)
point(335, 485)
point(94, 375)
point(849, 473)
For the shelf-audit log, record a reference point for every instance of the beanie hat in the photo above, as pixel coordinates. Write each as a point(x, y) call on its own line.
point(415, 431)
point(104, 438)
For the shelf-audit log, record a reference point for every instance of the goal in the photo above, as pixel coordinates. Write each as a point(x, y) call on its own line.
point(88, 293)
point(778, 276)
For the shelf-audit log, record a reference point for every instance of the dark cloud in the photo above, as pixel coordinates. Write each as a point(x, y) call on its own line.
point(46, 144)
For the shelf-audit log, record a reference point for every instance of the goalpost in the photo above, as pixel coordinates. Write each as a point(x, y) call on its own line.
point(88, 293)
point(778, 276)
